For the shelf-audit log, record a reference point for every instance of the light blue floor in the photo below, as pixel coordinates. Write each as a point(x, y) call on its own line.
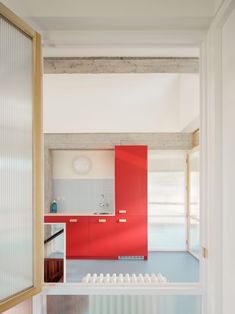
point(175, 266)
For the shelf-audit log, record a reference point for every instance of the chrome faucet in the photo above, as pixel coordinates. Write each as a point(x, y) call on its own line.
point(102, 204)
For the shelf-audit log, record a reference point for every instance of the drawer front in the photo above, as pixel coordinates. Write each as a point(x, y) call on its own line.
point(54, 219)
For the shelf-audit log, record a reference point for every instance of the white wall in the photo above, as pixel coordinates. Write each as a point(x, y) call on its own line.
point(228, 165)
point(109, 103)
point(189, 102)
point(102, 164)
point(96, 103)
point(217, 4)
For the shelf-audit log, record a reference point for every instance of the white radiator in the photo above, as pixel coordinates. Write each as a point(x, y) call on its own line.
point(124, 279)
point(128, 304)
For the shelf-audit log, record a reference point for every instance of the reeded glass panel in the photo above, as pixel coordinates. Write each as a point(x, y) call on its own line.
point(124, 304)
point(16, 214)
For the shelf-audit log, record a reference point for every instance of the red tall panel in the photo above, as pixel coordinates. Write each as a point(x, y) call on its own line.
point(131, 196)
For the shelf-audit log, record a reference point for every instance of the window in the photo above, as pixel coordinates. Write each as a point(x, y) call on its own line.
point(166, 200)
point(194, 203)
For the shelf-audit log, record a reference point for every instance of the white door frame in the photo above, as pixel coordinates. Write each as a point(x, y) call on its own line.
point(211, 160)
point(210, 44)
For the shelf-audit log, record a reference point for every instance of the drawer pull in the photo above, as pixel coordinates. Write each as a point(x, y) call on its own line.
point(102, 220)
point(122, 220)
point(122, 211)
point(73, 220)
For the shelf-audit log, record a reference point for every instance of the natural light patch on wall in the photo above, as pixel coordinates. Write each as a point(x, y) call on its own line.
point(189, 102)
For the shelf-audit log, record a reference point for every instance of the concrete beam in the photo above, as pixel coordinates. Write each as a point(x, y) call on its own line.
point(57, 65)
point(196, 138)
point(161, 141)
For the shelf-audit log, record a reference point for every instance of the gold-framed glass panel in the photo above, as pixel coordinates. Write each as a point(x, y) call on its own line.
point(20, 160)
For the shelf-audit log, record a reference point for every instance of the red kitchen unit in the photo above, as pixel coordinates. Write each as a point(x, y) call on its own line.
point(122, 235)
point(131, 179)
point(131, 200)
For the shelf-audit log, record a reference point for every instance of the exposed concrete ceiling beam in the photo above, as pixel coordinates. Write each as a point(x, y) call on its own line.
point(70, 65)
point(160, 141)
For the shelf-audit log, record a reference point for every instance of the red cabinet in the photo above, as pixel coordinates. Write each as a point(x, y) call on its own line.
point(55, 219)
point(77, 237)
point(125, 234)
point(102, 237)
point(131, 179)
point(131, 236)
point(131, 197)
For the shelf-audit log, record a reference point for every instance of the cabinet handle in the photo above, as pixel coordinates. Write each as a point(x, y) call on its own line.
point(122, 211)
point(73, 220)
point(122, 220)
point(102, 220)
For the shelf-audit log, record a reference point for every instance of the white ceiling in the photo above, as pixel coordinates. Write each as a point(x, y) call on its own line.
point(112, 8)
point(71, 24)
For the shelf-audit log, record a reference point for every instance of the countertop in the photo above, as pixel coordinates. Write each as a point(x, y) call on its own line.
point(78, 214)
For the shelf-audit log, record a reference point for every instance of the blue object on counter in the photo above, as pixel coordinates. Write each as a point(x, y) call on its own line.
point(53, 207)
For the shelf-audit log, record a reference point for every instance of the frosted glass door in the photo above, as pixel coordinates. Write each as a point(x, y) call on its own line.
point(16, 160)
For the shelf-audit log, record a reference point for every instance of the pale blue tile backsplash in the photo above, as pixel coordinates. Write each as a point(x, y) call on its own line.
point(84, 195)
